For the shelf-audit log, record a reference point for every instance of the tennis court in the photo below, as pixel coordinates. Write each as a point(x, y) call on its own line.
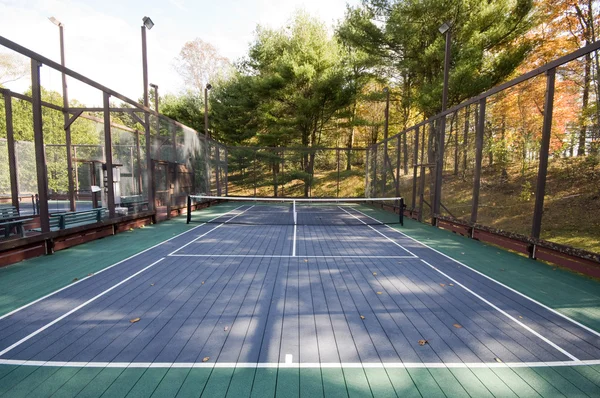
point(306, 295)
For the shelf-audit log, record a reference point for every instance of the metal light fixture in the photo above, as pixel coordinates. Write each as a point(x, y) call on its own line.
point(55, 21)
point(148, 23)
point(208, 86)
point(444, 27)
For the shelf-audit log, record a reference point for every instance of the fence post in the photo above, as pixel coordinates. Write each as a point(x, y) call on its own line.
point(478, 155)
point(12, 159)
point(226, 171)
point(38, 134)
point(414, 165)
point(338, 172)
point(108, 150)
point(540, 189)
point(254, 172)
point(398, 147)
point(367, 193)
point(437, 197)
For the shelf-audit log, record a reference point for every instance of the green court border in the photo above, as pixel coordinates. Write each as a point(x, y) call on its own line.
point(571, 294)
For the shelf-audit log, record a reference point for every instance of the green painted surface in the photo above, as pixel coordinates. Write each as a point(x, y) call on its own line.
point(569, 293)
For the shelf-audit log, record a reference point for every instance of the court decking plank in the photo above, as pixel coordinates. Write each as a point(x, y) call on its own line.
point(146, 384)
point(241, 382)
point(479, 332)
point(311, 383)
point(265, 380)
point(403, 383)
point(562, 330)
point(171, 383)
point(516, 338)
point(31, 381)
point(195, 348)
point(174, 341)
point(471, 383)
point(123, 383)
point(516, 383)
point(13, 378)
point(357, 384)
point(145, 346)
point(194, 383)
point(334, 385)
point(426, 383)
point(218, 383)
point(78, 382)
point(493, 382)
point(552, 378)
point(49, 343)
point(270, 345)
point(52, 384)
point(212, 271)
point(288, 380)
point(379, 383)
point(592, 373)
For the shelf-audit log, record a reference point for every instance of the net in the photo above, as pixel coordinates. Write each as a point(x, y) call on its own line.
point(287, 211)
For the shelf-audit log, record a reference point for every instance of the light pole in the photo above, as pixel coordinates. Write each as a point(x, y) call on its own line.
point(444, 29)
point(386, 91)
point(71, 194)
point(147, 24)
point(208, 87)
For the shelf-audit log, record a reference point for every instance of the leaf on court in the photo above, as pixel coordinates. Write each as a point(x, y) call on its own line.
point(130, 229)
point(423, 342)
point(203, 282)
point(305, 260)
point(520, 317)
point(205, 359)
point(442, 284)
point(375, 273)
point(497, 360)
point(379, 292)
point(362, 317)
point(75, 279)
point(226, 328)
point(134, 320)
point(451, 284)
point(456, 325)
point(462, 252)
point(90, 274)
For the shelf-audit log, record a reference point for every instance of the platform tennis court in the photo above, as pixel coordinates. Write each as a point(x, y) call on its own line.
point(294, 309)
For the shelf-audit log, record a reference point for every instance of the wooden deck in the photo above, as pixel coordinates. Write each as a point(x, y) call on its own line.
point(247, 310)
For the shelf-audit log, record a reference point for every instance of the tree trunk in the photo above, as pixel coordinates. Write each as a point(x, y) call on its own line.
point(584, 104)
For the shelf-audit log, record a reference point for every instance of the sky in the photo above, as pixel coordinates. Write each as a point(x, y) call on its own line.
point(103, 38)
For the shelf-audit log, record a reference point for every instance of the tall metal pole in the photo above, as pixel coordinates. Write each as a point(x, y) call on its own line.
point(12, 158)
point(206, 141)
point(149, 169)
point(38, 139)
point(442, 132)
point(110, 192)
point(385, 140)
point(72, 204)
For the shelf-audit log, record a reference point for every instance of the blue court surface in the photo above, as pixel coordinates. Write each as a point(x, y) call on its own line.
point(230, 295)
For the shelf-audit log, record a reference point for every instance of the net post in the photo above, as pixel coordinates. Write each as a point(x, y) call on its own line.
point(189, 209)
point(401, 205)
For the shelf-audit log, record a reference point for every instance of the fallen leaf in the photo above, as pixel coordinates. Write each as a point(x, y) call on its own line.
point(520, 317)
point(152, 284)
point(462, 253)
point(423, 342)
point(205, 359)
point(379, 293)
point(134, 320)
point(442, 284)
point(451, 284)
point(497, 360)
point(203, 282)
point(90, 274)
point(375, 273)
point(226, 328)
point(75, 280)
point(362, 317)
point(456, 325)
point(305, 260)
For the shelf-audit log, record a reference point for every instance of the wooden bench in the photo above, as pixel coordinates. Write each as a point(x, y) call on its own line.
point(60, 221)
point(8, 213)
point(9, 219)
point(134, 204)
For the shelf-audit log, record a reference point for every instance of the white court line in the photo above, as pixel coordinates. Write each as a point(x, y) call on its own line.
point(493, 280)
point(218, 226)
point(60, 318)
point(379, 232)
point(98, 272)
point(316, 365)
point(281, 256)
point(547, 341)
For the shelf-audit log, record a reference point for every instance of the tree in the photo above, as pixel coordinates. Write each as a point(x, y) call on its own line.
point(200, 63)
point(12, 68)
point(487, 43)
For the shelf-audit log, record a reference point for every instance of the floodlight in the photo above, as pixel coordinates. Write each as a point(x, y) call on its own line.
point(154, 86)
point(385, 90)
point(55, 21)
point(148, 23)
point(444, 28)
point(208, 86)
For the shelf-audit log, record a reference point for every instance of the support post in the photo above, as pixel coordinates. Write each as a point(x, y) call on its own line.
point(38, 138)
point(226, 172)
point(540, 189)
point(385, 141)
point(415, 162)
point(478, 158)
point(337, 153)
point(218, 168)
point(149, 168)
point(367, 172)
point(12, 158)
point(254, 172)
point(110, 197)
point(398, 147)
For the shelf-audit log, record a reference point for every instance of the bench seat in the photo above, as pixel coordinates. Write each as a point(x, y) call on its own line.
point(73, 219)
